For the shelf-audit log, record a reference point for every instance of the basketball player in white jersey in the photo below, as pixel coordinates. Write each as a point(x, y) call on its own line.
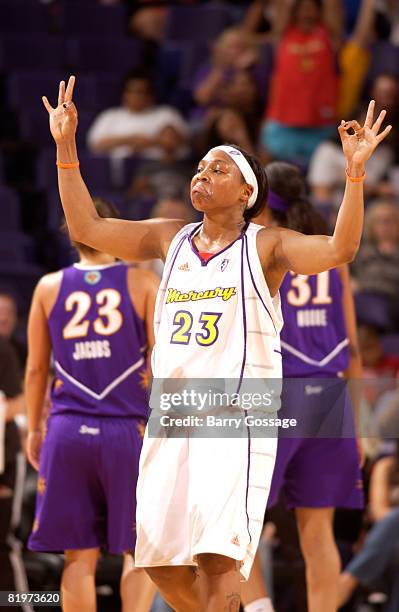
point(200, 502)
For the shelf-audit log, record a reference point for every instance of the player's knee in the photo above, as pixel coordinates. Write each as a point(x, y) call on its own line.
point(82, 558)
point(213, 565)
point(162, 576)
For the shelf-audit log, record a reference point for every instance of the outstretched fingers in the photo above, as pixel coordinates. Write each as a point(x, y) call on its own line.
point(69, 89)
point(61, 92)
point(370, 114)
point(383, 134)
point(377, 124)
point(47, 104)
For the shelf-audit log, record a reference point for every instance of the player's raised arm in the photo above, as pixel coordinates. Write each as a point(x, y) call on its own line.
point(130, 240)
point(314, 254)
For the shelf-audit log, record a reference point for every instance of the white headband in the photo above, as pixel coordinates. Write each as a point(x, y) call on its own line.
point(246, 170)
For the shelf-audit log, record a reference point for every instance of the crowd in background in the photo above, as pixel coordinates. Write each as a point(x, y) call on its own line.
point(158, 84)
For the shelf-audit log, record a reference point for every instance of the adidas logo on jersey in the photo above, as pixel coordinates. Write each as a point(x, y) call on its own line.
point(235, 540)
point(185, 267)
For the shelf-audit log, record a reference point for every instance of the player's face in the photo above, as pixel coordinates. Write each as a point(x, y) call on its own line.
point(218, 184)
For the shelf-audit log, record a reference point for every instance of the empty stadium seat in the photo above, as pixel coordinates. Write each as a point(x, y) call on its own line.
point(390, 343)
point(28, 51)
point(9, 209)
point(197, 23)
point(86, 17)
point(373, 309)
point(110, 54)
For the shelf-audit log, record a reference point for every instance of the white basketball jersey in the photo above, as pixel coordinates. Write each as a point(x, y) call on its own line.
point(216, 318)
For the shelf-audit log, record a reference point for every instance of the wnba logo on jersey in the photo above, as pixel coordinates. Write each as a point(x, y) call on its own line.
point(223, 265)
point(93, 277)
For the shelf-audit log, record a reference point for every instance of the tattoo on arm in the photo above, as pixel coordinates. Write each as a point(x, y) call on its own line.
point(232, 602)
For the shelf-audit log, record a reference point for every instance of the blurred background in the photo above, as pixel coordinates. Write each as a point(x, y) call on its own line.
point(158, 84)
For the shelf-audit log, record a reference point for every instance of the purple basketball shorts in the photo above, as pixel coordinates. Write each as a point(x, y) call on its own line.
point(86, 493)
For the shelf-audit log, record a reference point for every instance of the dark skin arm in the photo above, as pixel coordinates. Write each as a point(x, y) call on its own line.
point(280, 249)
point(284, 249)
point(129, 240)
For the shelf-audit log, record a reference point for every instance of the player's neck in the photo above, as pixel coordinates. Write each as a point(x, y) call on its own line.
point(221, 228)
point(96, 259)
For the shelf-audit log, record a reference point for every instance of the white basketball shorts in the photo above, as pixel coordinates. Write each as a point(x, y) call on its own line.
point(202, 495)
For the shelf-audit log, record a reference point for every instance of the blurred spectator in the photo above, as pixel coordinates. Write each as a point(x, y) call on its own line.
point(376, 267)
point(354, 57)
point(9, 325)
point(380, 369)
point(385, 91)
point(389, 11)
point(173, 208)
point(234, 51)
point(12, 470)
point(138, 126)
point(379, 556)
point(376, 363)
point(155, 179)
point(326, 174)
point(148, 20)
point(227, 90)
point(304, 91)
point(221, 126)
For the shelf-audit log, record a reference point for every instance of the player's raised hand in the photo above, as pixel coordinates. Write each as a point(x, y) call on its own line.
point(64, 117)
point(358, 147)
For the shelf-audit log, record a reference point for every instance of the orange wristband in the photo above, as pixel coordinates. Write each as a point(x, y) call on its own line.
point(72, 165)
point(355, 179)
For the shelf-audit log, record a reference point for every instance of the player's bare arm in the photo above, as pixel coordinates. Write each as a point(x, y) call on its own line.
point(37, 369)
point(143, 288)
point(286, 249)
point(129, 240)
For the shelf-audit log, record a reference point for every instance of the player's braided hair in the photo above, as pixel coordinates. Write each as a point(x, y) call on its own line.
point(287, 181)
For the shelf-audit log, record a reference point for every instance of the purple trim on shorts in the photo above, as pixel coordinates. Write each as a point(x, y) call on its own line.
point(195, 251)
point(247, 489)
point(256, 288)
point(244, 315)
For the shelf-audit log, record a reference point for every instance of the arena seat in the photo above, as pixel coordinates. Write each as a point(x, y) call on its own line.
point(197, 23)
point(112, 54)
point(390, 343)
point(34, 126)
point(384, 59)
point(373, 309)
point(20, 279)
point(26, 88)
point(26, 16)
point(28, 51)
point(86, 17)
point(93, 93)
point(100, 174)
point(9, 209)
point(15, 247)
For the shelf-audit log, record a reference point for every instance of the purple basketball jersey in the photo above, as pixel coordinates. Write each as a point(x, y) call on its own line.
point(99, 344)
point(314, 338)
